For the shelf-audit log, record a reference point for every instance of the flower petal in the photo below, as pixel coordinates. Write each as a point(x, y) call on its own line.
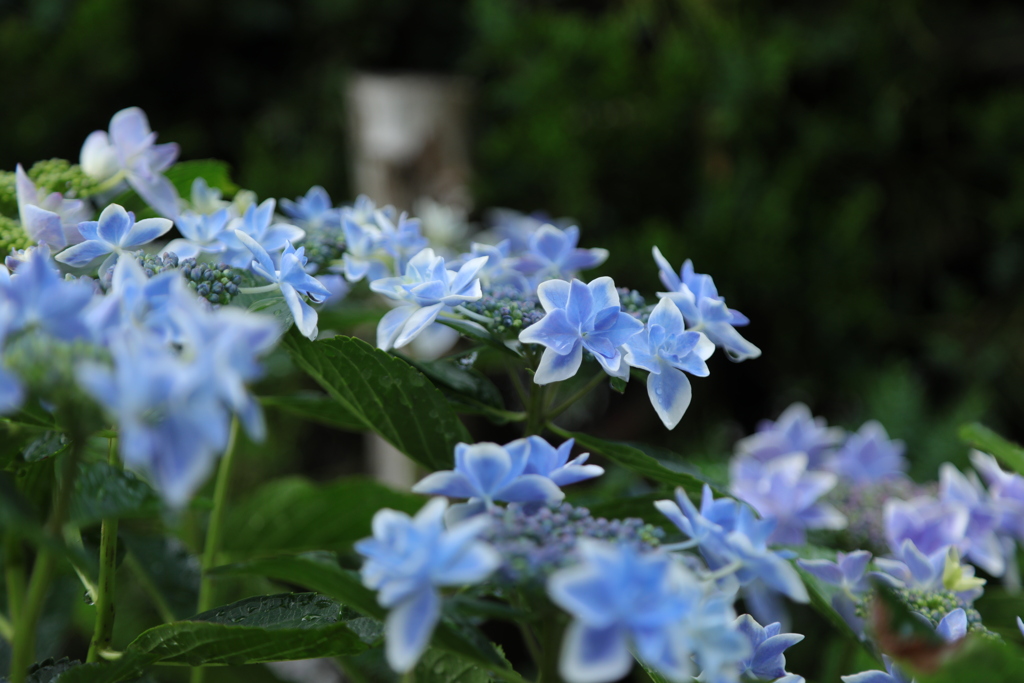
point(556, 368)
point(670, 394)
point(594, 655)
point(408, 628)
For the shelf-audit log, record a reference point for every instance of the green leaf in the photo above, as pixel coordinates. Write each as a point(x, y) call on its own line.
point(216, 173)
point(268, 628)
point(103, 491)
point(317, 408)
point(385, 394)
point(320, 572)
point(634, 459)
point(292, 515)
point(436, 666)
point(979, 659)
point(466, 382)
point(984, 439)
point(46, 445)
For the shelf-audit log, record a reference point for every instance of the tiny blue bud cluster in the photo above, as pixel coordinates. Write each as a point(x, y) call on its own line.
point(534, 543)
point(509, 310)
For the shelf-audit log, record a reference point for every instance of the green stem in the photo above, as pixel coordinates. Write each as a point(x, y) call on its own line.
point(110, 183)
point(149, 587)
point(6, 629)
point(14, 575)
point(23, 647)
point(104, 627)
point(535, 410)
point(552, 641)
point(587, 388)
point(215, 531)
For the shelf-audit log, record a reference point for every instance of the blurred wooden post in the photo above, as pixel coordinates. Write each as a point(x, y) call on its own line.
point(408, 137)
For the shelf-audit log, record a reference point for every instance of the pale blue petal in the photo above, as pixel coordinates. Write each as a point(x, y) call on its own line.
point(667, 315)
point(157, 191)
point(304, 314)
point(953, 626)
point(553, 331)
point(182, 248)
point(408, 628)
point(473, 565)
point(594, 655)
point(667, 272)
point(670, 394)
point(530, 488)
point(11, 392)
point(869, 677)
point(604, 294)
point(145, 231)
point(114, 224)
point(417, 322)
point(44, 227)
point(553, 294)
point(829, 572)
point(487, 466)
point(390, 326)
point(446, 483)
point(83, 254)
point(556, 368)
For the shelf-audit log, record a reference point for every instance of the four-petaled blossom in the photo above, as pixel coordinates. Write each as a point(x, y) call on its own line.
point(552, 254)
point(258, 223)
point(115, 233)
point(38, 298)
point(425, 289)
point(727, 533)
point(314, 210)
point(293, 280)
point(407, 560)
point(579, 316)
point(488, 472)
point(869, 455)
point(767, 644)
point(783, 489)
point(201, 232)
point(129, 152)
point(981, 543)
point(544, 459)
point(796, 431)
point(619, 597)
point(362, 253)
point(704, 310)
point(48, 218)
point(665, 349)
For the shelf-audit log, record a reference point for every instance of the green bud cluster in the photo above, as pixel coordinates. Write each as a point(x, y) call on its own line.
point(934, 605)
point(509, 310)
point(633, 302)
point(324, 246)
point(8, 194)
point(12, 236)
point(47, 365)
point(60, 175)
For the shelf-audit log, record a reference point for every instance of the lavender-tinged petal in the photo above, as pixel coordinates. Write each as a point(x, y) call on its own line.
point(953, 626)
point(854, 565)
point(161, 157)
point(44, 227)
point(157, 191)
point(829, 572)
point(11, 392)
point(408, 628)
point(769, 654)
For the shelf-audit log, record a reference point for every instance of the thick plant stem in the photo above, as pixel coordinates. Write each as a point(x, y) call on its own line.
point(215, 530)
point(552, 643)
point(535, 410)
point(14, 575)
point(108, 568)
point(23, 647)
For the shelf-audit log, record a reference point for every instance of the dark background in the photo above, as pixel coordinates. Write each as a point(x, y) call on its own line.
point(852, 175)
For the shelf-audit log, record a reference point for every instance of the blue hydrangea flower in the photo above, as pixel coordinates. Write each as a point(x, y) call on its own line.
point(12, 393)
point(796, 431)
point(665, 349)
point(704, 310)
point(847, 572)
point(407, 560)
point(169, 425)
point(292, 278)
point(727, 533)
point(869, 456)
point(931, 525)
point(40, 299)
point(48, 218)
point(621, 598)
point(552, 254)
point(134, 301)
point(425, 289)
point(544, 459)
point(399, 241)
point(981, 543)
point(498, 270)
point(129, 152)
point(892, 674)
point(205, 199)
point(1020, 625)
point(579, 317)
point(362, 252)
point(258, 223)
point(200, 233)
point(1007, 492)
point(517, 227)
point(489, 473)
point(767, 644)
point(364, 211)
point(314, 210)
point(784, 490)
point(116, 232)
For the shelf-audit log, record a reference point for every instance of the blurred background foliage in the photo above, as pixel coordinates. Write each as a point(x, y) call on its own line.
point(851, 174)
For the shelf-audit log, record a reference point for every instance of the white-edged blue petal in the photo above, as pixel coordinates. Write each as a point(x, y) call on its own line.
point(556, 368)
point(670, 394)
point(594, 655)
point(408, 628)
